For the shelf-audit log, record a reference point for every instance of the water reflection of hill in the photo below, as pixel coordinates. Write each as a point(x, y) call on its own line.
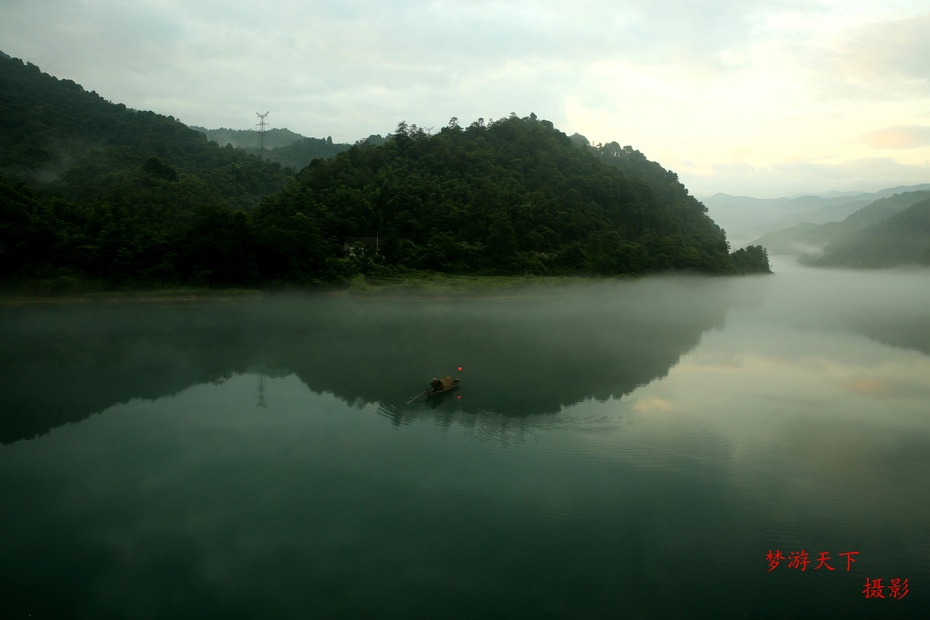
point(61, 364)
point(887, 306)
point(521, 356)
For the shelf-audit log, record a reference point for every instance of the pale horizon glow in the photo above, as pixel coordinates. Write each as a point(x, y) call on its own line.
point(767, 99)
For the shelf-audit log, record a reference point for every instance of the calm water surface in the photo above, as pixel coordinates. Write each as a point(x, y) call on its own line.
point(630, 450)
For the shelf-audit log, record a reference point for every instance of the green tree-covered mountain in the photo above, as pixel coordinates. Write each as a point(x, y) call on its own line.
point(512, 196)
point(71, 143)
point(93, 190)
point(299, 154)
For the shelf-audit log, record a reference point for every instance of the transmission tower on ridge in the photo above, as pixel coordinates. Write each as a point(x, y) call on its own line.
point(261, 124)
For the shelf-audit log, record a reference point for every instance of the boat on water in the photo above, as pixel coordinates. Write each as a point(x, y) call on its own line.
point(438, 387)
point(442, 386)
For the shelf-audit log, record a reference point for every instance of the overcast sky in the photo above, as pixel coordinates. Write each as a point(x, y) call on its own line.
point(757, 97)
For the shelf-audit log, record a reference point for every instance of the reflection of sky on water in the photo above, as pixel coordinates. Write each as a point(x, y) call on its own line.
point(203, 492)
point(817, 426)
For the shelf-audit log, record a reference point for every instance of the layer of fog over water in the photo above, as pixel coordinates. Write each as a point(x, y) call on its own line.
point(628, 449)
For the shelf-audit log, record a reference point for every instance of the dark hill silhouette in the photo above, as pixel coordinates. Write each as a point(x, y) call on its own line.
point(72, 143)
point(511, 196)
point(95, 190)
point(98, 192)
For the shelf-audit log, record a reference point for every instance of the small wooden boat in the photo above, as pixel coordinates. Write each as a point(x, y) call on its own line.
point(442, 386)
point(437, 387)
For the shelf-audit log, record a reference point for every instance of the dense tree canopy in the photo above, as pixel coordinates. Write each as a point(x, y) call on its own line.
point(74, 144)
point(93, 190)
point(510, 196)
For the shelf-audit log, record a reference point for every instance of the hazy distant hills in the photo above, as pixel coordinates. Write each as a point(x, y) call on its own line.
point(902, 237)
point(280, 145)
point(886, 232)
point(746, 218)
point(811, 238)
point(866, 230)
point(250, 139)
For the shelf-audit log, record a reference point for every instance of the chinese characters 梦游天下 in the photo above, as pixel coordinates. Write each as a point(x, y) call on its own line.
point(800, 559)
point(898, 588)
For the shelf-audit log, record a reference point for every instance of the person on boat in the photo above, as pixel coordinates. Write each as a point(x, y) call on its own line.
point(436, 384)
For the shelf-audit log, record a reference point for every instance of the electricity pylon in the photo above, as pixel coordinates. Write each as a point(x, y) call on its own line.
point(261, 124)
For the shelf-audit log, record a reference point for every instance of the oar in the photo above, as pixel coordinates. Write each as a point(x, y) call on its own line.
point(416, 397)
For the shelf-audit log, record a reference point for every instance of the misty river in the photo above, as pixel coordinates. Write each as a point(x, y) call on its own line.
point(656, 448)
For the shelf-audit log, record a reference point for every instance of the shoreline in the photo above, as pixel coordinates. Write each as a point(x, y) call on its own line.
point(139, 296)
point(435, 287)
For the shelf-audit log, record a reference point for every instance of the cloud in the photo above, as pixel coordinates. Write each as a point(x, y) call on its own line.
point(887, 57)
point(735, 88)
point(901, 137)
point(808, 175)
point(868, 386)
point(653, 404)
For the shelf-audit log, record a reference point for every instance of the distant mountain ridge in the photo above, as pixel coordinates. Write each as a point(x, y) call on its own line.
point(283, 146)
point(249, 139)
point(746, 218)
point(811, 239)
point(881, 235)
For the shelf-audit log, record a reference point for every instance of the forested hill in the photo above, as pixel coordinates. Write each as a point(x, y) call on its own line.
point(73, 144)
point(511, 196)
point(93, 191)
point(300, 153)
